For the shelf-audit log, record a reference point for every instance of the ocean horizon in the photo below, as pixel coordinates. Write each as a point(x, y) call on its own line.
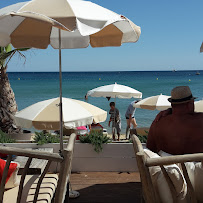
point(32, 87)
point(172, 70)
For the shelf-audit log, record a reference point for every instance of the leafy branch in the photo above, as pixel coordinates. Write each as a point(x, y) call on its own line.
point(96, 138)
point(45, 138)
point(7, 53)
point(4, 138)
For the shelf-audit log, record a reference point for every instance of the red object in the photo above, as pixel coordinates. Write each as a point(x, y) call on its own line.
point(3, 155)
point(81, 128)
point(96, 125)
point(77, 137)
point(11, 169)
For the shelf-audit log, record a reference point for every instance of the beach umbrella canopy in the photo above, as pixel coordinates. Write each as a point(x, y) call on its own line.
point(75, 24)
point(199, 106)
point(44, 115)
point(159, 102)
point(115, 91)
point(88, 23)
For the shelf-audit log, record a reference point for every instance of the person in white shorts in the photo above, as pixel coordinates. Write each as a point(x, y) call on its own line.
point(130, 118)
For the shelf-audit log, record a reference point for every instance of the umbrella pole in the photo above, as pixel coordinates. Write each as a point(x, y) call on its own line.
point(60, 103)
point(115, 112)
point(113, 127)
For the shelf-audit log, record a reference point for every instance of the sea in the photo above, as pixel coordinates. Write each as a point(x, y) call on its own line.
point(32, 87)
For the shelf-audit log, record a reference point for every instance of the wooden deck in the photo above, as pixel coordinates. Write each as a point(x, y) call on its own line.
point(99, 187)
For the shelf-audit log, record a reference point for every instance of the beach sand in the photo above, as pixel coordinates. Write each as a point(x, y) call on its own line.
point(140, 131)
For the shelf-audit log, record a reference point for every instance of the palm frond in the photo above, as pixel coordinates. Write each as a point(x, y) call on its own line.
point(6, 53)
point(8, 48)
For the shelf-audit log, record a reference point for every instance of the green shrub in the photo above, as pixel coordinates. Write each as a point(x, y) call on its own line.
point(44, 138)
point(4, 138)
point(142, 138)
point(96, 138)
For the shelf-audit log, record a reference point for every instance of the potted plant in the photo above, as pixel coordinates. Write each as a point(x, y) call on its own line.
point(44, 138)
point(96, 138)
point(4, 138)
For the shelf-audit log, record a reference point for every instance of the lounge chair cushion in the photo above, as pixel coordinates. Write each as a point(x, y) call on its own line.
point(161, 184)
point(195, 173)
point(46, 192)
point(14, 180)
point(190, 166)
point(11, 179)
point(198, 181)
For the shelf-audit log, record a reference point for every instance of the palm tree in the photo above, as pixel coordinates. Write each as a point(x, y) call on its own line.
point(8, 106)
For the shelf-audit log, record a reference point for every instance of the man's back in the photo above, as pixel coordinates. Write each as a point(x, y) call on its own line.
point(130, 110)
point(177, 134)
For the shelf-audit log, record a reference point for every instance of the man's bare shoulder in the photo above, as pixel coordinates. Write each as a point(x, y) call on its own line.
point(189, 115)
point(197, 117)
point(170, 119)
point(164, 119)
point(160, 124)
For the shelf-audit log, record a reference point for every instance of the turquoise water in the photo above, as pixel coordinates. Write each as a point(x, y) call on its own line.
point(34, 87)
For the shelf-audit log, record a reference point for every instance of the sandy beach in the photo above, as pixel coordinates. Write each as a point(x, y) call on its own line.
point(140, 131)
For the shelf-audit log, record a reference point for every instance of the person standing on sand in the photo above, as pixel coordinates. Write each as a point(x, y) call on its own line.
point(129, 115)
point(116, 120)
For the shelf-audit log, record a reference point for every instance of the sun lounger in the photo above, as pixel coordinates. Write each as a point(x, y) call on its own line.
point(45, 187)
point(149, 188)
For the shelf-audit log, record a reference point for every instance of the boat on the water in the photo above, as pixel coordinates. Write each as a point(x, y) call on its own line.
point(197, 73)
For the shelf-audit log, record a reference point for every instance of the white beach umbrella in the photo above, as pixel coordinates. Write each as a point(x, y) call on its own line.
point(24, 26)
point(115, 91)
point(199, 106)
point(89, 24)
point(44, 115)
point(159, 102)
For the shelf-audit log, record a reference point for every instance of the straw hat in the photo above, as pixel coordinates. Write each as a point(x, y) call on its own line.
point(181, 94)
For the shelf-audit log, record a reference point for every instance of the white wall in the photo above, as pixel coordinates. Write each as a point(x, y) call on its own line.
point(115, 157)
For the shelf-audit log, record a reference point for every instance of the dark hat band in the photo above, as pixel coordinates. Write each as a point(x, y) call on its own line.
point(182, 100)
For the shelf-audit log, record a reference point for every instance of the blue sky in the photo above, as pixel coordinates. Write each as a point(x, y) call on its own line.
point(172, 33)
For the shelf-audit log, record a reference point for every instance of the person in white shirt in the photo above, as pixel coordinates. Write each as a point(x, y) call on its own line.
point(130, 118)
